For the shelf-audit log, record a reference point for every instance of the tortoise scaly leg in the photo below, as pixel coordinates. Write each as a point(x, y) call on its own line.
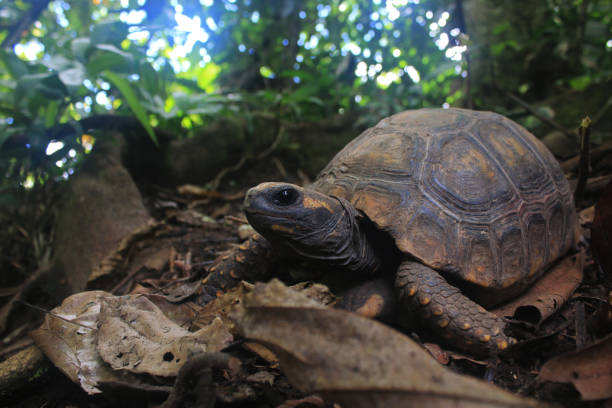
point(449, 313)
point(252, 261)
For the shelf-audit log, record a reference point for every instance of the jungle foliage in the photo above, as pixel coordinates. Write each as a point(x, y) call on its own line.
point(178, 65)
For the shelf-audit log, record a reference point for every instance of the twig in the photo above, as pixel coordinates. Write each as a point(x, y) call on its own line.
point(596, 154)
point(580, 326)
point(214, 183)
point(600, 114)
point(20, 293)
point(535, 113)
point(24, 23)
point(585, 159)
point(40, 309)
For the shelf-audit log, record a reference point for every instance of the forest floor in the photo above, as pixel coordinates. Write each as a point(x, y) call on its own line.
point(204, 224)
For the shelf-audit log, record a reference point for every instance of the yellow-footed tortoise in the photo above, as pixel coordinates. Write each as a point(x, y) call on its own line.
point(476, 206)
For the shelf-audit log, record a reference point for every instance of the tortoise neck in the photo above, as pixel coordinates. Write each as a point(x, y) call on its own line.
point(357, 253)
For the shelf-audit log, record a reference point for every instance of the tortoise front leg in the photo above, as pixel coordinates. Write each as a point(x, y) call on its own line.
point(252, 261)
point(449, 313)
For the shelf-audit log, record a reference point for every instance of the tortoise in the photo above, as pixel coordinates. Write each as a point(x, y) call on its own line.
point(476, 207)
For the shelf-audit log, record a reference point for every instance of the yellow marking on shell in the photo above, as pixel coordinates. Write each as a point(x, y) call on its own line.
point(372, 307)
point(443, 323)
point(212, 268)
point(465, 326)
point(412, 290)
point(310, 202)
point(424, 300)
point(502, 345)
point(203, 281)
point(245, 245)
point(437, 310)
point(282, 228)
point(239, 258)
point(485, 338)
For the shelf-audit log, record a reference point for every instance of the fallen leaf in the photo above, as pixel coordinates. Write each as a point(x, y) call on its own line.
point(73, 333)
point(352, 360)
point(193, 190)
point(586, 215)
point(588, 369)
point(547, 294)
point(436, 352)
point(601, 231)
point(68, 338)
point(220, 306)
point(262, 352)
point(135, 335)
point(316, 291)
point(262, 377)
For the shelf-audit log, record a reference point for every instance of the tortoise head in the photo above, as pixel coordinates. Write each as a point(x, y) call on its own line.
point(303, 223)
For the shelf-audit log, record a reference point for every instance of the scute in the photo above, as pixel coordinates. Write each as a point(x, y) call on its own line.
point(469, 193)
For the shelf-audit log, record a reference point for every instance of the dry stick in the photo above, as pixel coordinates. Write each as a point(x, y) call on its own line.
point(538, 115)
point(214, 183)
point(596, 154)
point(585, 159)
point(580, 326)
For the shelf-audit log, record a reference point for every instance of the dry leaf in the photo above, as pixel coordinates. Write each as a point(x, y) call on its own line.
point(70, 338)
point(549, 293)
point(588, 369)
point(71, 345)
point(135, 335)
point(586, 215)
point(352, 360)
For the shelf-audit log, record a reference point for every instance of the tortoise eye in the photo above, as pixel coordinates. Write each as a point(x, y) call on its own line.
point(286, 196)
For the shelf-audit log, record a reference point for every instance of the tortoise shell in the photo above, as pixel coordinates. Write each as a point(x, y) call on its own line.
point(469, 193)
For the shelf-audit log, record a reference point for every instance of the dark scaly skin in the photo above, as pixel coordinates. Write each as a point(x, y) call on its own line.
point(252, 261)
point(448, 312)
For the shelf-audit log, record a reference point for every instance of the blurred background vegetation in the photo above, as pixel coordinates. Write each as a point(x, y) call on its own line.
point(172, 68)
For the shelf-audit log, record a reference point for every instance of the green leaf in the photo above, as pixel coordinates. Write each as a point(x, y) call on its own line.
point(580, 83)
point(79, 47)
point(47, 84)
point(15, 66)
point(207, 76)
point(57, 63)
point(109, 57)
point(51, 113)
point(132, 101)
point(111, 32)
point(73, 77)
point(501, 28)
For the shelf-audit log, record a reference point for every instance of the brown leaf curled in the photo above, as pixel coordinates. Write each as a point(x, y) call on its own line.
point(353, 360)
